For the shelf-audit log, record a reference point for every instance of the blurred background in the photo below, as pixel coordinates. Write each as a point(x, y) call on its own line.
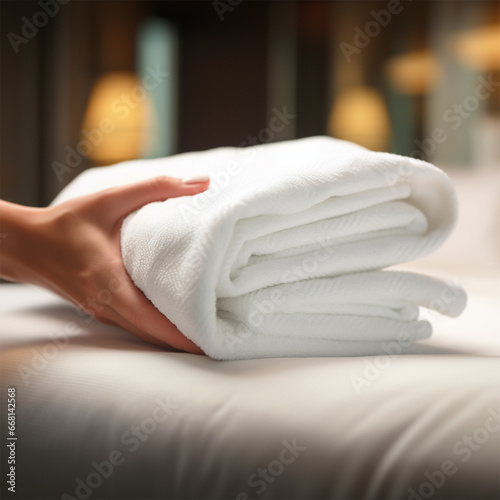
point(90, 83)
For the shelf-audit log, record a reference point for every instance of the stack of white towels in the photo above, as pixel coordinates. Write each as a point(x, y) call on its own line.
point(285, 254)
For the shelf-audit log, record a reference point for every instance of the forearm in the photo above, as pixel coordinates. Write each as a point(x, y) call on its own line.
point(38, 246)
point(17, 225)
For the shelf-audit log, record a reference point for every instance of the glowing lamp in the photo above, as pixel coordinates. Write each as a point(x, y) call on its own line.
point(117, 120)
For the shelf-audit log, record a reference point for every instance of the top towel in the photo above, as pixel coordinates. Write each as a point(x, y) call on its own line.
point(283, 255)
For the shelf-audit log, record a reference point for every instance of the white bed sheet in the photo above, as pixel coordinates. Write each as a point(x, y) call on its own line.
point(305, 428)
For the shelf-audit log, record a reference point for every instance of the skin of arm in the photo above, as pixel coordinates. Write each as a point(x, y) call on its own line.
point(73, 249)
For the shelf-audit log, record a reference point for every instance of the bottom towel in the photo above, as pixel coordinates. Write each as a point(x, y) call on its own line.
point(354, 314)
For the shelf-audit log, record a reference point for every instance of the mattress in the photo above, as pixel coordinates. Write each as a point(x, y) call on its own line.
point(100, 414)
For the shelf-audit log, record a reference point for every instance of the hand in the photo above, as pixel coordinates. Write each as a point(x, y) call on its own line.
point(73, 249)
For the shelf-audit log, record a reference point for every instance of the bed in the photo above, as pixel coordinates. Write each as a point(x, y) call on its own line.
point(100, 414)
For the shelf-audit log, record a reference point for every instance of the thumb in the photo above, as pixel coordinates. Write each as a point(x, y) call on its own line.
point(118, 202)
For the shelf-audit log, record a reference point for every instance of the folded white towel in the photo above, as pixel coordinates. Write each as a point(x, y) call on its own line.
point(282, 255)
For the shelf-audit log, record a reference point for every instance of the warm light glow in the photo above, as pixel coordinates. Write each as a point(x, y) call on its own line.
point(117, 118)
point(413, 73)
point(360, 115)
point(479, 48)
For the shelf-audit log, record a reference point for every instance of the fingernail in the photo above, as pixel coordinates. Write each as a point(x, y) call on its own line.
point(196, 180)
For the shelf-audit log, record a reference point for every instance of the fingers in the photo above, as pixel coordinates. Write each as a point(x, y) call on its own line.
point(150, 322)
point(176, 341)
point(164, 328)
point(130, 309)
point(155, 328)
point(120, 201)
point(121, 322)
